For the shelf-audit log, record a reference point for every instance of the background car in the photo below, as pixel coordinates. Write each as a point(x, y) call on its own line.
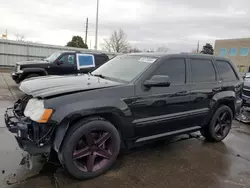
point(58, 63)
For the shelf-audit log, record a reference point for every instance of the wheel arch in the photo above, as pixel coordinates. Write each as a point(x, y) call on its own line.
point(28, 71)
point(124, 129)
point(224, 98)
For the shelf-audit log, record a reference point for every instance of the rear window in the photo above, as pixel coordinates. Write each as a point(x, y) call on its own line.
point(226, 71)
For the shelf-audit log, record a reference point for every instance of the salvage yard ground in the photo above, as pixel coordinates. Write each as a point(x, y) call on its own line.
point(187, 161)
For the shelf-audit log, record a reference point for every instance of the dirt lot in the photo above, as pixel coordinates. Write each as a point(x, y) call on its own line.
point(186, 161)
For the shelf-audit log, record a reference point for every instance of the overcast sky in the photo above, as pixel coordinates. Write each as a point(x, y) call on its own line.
point(177, 24)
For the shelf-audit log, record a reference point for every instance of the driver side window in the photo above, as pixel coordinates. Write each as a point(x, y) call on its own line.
point(175, 69)
point(68, 59)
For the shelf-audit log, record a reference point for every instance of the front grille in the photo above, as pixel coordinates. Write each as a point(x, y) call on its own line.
point(40, 132)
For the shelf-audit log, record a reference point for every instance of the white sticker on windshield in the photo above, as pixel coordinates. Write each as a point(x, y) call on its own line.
point(147, 60)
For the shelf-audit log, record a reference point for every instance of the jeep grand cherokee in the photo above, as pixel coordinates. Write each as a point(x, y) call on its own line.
point(131, 99)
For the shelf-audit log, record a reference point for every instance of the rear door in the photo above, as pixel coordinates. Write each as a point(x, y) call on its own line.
point(205, 84)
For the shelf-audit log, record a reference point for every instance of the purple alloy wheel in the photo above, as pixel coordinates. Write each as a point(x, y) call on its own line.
point(93, 151)
point(223, 124)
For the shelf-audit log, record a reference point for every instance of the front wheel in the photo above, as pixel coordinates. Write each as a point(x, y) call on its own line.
point(90, 148)
point(220, 125)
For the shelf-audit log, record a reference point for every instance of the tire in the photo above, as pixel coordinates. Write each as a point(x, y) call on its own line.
point(220, 125)
point(85, 158)
point(204, 133)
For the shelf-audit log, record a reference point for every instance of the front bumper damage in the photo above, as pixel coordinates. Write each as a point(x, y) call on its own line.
point(244, 115)
point(32, 137)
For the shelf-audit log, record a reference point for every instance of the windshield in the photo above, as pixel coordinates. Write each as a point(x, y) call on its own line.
point(125, 67)
point(53, 57)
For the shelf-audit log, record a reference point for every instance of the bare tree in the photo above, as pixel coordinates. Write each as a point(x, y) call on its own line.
point(134, 50)
point(19, 37)
point(107, 45)
point(117, 42)
point(162, 49)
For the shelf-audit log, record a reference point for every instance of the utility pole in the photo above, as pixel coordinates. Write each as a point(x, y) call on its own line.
point(198, 46)
point(96, 24)
point(6, 33)
point(86, 34)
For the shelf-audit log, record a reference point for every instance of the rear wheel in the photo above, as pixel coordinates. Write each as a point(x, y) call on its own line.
point(220, 125)
point(90, 148)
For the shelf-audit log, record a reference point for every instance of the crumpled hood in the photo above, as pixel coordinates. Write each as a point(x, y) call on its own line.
point(46, 86)
point(32, 62)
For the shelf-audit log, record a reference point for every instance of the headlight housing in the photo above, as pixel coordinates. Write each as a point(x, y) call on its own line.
point(18, 69)
point(35, 110)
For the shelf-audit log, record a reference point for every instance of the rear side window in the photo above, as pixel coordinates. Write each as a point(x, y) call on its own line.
point(202, 70)
point(226, 71)
point(175, 69)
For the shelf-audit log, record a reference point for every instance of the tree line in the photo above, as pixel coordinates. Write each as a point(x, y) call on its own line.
point(118, 43)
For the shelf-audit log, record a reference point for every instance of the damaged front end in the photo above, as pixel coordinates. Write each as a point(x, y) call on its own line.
point(244, 115)
point(33, 137)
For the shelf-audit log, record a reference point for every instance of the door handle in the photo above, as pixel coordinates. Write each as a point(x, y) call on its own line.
point(217, 89)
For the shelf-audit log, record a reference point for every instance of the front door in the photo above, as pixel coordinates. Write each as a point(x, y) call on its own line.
point(163, 109)
point(65, 64)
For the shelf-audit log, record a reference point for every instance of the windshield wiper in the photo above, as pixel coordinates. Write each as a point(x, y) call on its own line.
point(107, 78)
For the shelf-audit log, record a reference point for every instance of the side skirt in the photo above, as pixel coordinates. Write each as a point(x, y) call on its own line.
point(172, 133)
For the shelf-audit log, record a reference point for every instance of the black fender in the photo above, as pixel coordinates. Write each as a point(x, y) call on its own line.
point(115, 111)
point(27, 71)
point(225, 97)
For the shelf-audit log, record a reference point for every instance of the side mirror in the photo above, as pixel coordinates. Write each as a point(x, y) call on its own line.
point(158, 81)
point(59, 62)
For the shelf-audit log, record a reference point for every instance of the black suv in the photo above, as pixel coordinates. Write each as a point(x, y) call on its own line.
point(58, 63)
point(130, 100)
